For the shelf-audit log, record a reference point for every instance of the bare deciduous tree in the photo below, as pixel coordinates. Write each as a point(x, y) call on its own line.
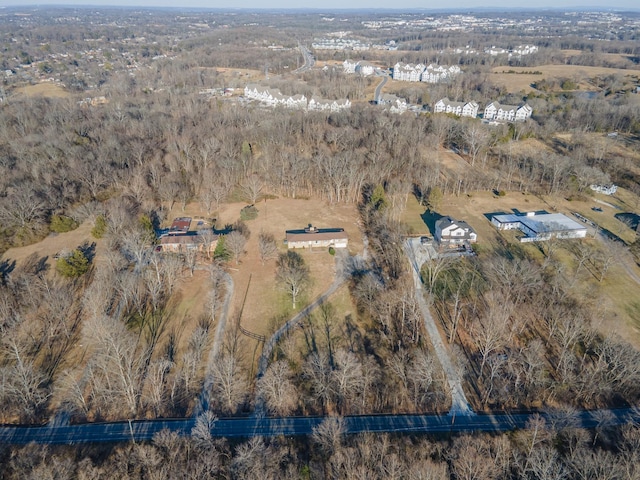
point(277, 388)
point(235, 243)
point(229, 384)
point(22, 384)
point(267, 246)
point(329, 434)
point(201, 432)
point(117, 365)
point(252, 188)
point(346, 379)
point(293, 274)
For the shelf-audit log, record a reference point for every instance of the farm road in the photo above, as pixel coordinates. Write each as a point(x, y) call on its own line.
point(269, 345)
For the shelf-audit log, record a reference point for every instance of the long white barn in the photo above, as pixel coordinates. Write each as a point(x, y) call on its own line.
point(540, 227)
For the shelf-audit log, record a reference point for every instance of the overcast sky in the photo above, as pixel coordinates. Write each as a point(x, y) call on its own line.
point(340, 4)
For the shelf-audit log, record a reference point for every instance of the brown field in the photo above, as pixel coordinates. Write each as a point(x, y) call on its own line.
point(266, 307)
point(515, 83)
point(53, 244)
point(42, 90)
point(239, 77)
point(613, 297)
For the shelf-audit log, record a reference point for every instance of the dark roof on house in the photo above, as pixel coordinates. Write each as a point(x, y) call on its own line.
point(446, 222)
point(313, 233)
point(180, 225)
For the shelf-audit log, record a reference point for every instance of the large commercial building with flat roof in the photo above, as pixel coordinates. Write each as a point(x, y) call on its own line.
point(540, 226)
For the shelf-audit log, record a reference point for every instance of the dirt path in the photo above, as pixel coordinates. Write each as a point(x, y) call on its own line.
point(417, 256)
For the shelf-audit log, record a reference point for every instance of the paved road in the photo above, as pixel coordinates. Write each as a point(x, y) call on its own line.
point(418, 254)
point(249, 427)
point(378, 92)
point(309, 61)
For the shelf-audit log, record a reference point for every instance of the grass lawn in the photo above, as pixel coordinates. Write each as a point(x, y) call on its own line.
point(413, 217)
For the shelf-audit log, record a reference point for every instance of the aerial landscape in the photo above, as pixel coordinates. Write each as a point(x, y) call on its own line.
point(242, 243)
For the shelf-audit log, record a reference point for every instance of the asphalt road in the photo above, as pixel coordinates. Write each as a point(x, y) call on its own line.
point(378, 92)
point(309, 61)
point(292, 426)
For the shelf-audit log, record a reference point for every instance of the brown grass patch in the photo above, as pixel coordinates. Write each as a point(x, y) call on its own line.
point(50, 90)
point(53, 244)
point(517, 82)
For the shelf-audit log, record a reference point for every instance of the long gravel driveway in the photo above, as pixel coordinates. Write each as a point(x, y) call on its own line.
point(418, 254)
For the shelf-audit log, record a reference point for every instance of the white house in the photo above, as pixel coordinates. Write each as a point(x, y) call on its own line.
point(396, 104)
point(470, 109)
point(540, 226)
point(605, 189)
point(491, 110)
point(365, 68)
point(524, 50)
point(407, 72)
point(444, 105)
point(438, 73)
point(349, 66)
point(461, 109)
point(507, 113)
point(523, 113)
point(273, 98)
point(493, 51)
point(318, 104)
point(452, 233)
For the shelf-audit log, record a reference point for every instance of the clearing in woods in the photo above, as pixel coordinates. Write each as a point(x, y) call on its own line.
point(266, 307)
point(43, 90)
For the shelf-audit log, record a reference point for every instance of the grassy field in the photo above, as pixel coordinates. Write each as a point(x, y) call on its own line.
point(53, 244)
point(43, 90)
point(517, 82)
point(266, 306)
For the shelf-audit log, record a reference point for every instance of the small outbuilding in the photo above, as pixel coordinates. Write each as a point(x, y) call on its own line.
point(180, 226)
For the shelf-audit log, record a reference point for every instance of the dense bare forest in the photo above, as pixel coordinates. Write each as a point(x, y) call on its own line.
point(94, 332)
